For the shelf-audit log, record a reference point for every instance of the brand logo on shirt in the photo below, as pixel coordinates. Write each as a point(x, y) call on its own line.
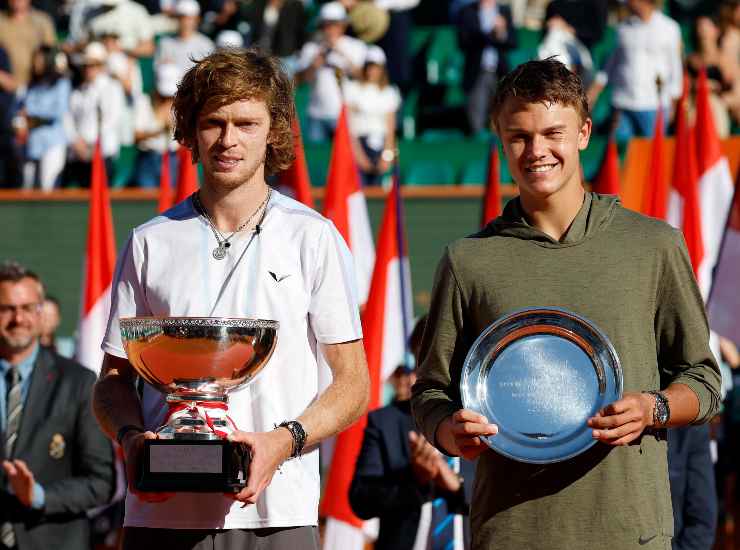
point(278, 278)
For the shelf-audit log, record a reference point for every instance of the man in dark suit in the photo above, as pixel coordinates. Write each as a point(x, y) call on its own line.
point(398, 471)
point(485, 33)
point(693, 491)
point(56, 463)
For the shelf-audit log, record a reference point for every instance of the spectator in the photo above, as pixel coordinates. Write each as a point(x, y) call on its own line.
point(8, 166)
point(485, 32)
point(39, 120)
point(122, 66)
point(153, 128)
point(396, 42)
point(372, 104)
point(22, 30)
point(96, 108)
point(57, 464)
point(561, 42)
point(124, 18)
point(645, 70)
point(586, 18)
point(722, 73)
point(189, 45)
point(51, 317)
point(693, 491)
point(279, 27)
point(399, 474)
point(325, 62)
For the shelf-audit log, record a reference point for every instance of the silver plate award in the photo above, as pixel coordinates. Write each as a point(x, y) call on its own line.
point(540, 374)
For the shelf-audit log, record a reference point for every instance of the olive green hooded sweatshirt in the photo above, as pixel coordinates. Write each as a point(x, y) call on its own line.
point(631, 276)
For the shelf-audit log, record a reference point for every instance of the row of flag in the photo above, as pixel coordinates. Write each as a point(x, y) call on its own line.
point(696, 198)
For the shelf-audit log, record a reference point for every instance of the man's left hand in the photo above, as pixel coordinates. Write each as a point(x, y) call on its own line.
point(623, 421)
point(21, 480)
point(269, 450)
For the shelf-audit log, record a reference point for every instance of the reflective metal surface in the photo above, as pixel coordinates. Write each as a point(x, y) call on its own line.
point(198, 358)
point(539, 374)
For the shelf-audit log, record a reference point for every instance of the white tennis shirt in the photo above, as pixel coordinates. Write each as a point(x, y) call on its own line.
point(298, 271)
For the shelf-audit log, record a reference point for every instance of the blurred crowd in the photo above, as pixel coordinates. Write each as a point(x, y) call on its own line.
point(79, 72)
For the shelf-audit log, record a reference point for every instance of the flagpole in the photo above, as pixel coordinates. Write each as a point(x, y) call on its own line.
point(402, 252)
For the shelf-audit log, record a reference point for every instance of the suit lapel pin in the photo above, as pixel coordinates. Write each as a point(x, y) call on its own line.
point(56, 447)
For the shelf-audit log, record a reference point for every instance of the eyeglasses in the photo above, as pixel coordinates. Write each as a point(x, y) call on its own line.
point(6, 310)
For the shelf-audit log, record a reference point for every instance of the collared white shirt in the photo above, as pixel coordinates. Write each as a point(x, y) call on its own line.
point(297, 271)
point(644, 51)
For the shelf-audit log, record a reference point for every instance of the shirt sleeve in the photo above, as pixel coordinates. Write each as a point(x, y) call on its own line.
point(308, 53)
point(682, 332)
point(333, 311)
point(435, 396)
point(675, 66)
point(128, 295)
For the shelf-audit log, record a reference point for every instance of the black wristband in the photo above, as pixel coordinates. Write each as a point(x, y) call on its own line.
point(126, 429)
point(298, 433)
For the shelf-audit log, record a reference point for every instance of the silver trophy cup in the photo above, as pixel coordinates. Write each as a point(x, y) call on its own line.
point(196, 362)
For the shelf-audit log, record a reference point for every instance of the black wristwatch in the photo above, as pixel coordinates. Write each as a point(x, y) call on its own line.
point(126, 429)
point(298, 433)
point(661, 411)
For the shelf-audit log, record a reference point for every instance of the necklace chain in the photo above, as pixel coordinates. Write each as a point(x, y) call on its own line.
point(223, 242)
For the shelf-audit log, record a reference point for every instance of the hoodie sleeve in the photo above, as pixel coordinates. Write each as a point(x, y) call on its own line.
point(682, 333)
point(436, 394)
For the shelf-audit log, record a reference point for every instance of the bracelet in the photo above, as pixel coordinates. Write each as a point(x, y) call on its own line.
point(126, 429)
point(298, 433)
point(661, 411)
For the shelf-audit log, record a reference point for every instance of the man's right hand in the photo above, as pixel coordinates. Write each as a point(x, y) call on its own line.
point(462, 434)
point(133, 449)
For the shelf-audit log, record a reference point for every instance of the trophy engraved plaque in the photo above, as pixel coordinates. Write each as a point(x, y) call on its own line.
point(540, 374)
point(196, 362)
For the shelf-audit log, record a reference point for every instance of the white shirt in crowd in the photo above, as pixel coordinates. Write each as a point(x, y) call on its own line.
point(128, 20)
point(297, 271)
point(326, 95)
point(98, 108)
point(180, 52)
point(369, 105)
point(146, 121)
point(644, 51)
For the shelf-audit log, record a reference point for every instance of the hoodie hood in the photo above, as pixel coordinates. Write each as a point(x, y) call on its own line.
point(595, 214)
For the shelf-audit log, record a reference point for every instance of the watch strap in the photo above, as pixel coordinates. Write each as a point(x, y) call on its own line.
point(661, 411)
point(298, 433)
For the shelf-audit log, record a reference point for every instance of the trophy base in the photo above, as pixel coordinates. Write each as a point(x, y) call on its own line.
point(193, 465)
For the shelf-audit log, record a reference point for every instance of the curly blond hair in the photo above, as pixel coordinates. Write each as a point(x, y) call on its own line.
point(234, 74)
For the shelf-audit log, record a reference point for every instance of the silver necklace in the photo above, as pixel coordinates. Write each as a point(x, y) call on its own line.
point(219, 253)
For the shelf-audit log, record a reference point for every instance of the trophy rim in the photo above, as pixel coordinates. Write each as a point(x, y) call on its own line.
point(229, 322)
point(475, 374)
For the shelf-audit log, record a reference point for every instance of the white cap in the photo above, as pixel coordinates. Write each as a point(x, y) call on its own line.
point(94, 53)
point(332, 11)
point(188, 8)
point(375, 54)
point(229, 39)
point(167, 77)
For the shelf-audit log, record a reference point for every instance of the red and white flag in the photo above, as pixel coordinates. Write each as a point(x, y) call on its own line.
point(716, 185)
point(724, 299)
point(187, 175)
point(492, 195)
point(295, 181)
point(684, 210)
point(386, 324)
point(99, 265)
point(165, 184)
point(655, 201)
point(345, 205)
point(607, 180)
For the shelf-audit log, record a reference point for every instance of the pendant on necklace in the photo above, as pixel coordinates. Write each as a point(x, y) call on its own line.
point(219, 252)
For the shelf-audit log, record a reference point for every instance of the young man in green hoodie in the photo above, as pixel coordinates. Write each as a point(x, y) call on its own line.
point(557, 245)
